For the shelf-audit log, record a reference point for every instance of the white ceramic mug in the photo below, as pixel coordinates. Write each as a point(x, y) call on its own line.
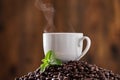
point(66, 46)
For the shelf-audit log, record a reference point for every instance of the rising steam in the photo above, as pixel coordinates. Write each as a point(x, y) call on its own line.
point(48, 10)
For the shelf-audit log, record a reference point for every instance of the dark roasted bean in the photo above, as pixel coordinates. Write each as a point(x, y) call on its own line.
point(72, 70)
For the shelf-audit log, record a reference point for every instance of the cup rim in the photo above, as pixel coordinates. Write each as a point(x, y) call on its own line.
point(64, 33)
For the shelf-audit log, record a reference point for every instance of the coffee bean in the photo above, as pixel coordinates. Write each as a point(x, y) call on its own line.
point(72, 70)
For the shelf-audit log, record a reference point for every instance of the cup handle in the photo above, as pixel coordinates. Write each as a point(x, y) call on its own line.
point(87, 46)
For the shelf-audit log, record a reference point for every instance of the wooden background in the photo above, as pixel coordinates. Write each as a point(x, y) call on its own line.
point(22, 25)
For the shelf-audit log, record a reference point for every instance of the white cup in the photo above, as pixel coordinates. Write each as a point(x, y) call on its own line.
point(66, 46)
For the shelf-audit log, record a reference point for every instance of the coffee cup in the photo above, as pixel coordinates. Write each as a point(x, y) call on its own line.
point(66, 46)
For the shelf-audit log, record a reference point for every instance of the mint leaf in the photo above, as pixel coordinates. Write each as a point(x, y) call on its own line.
point(43, 67)
point(50, 59)
point(44, 60)
point(50, 55)
point(56, 62)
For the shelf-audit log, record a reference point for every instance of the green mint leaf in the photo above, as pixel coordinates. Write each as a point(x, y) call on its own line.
point(43, 67)
point(45, 60)
point(56, 62)
point(49, 55)
point(59, 62)
point(50, 59)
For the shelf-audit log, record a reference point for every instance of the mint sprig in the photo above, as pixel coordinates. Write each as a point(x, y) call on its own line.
point(49, 59)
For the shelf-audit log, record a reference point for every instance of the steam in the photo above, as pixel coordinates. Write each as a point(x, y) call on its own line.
point(71, 29)
point(48, 11)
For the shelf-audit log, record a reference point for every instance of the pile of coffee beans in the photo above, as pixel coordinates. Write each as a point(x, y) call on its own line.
point(72, 70)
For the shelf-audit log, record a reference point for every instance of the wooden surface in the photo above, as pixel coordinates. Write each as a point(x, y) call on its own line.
point(22, 25)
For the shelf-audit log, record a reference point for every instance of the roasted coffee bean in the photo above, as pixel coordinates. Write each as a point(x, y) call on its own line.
point(72, 70)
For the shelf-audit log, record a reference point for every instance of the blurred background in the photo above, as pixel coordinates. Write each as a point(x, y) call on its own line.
point(22, 25)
